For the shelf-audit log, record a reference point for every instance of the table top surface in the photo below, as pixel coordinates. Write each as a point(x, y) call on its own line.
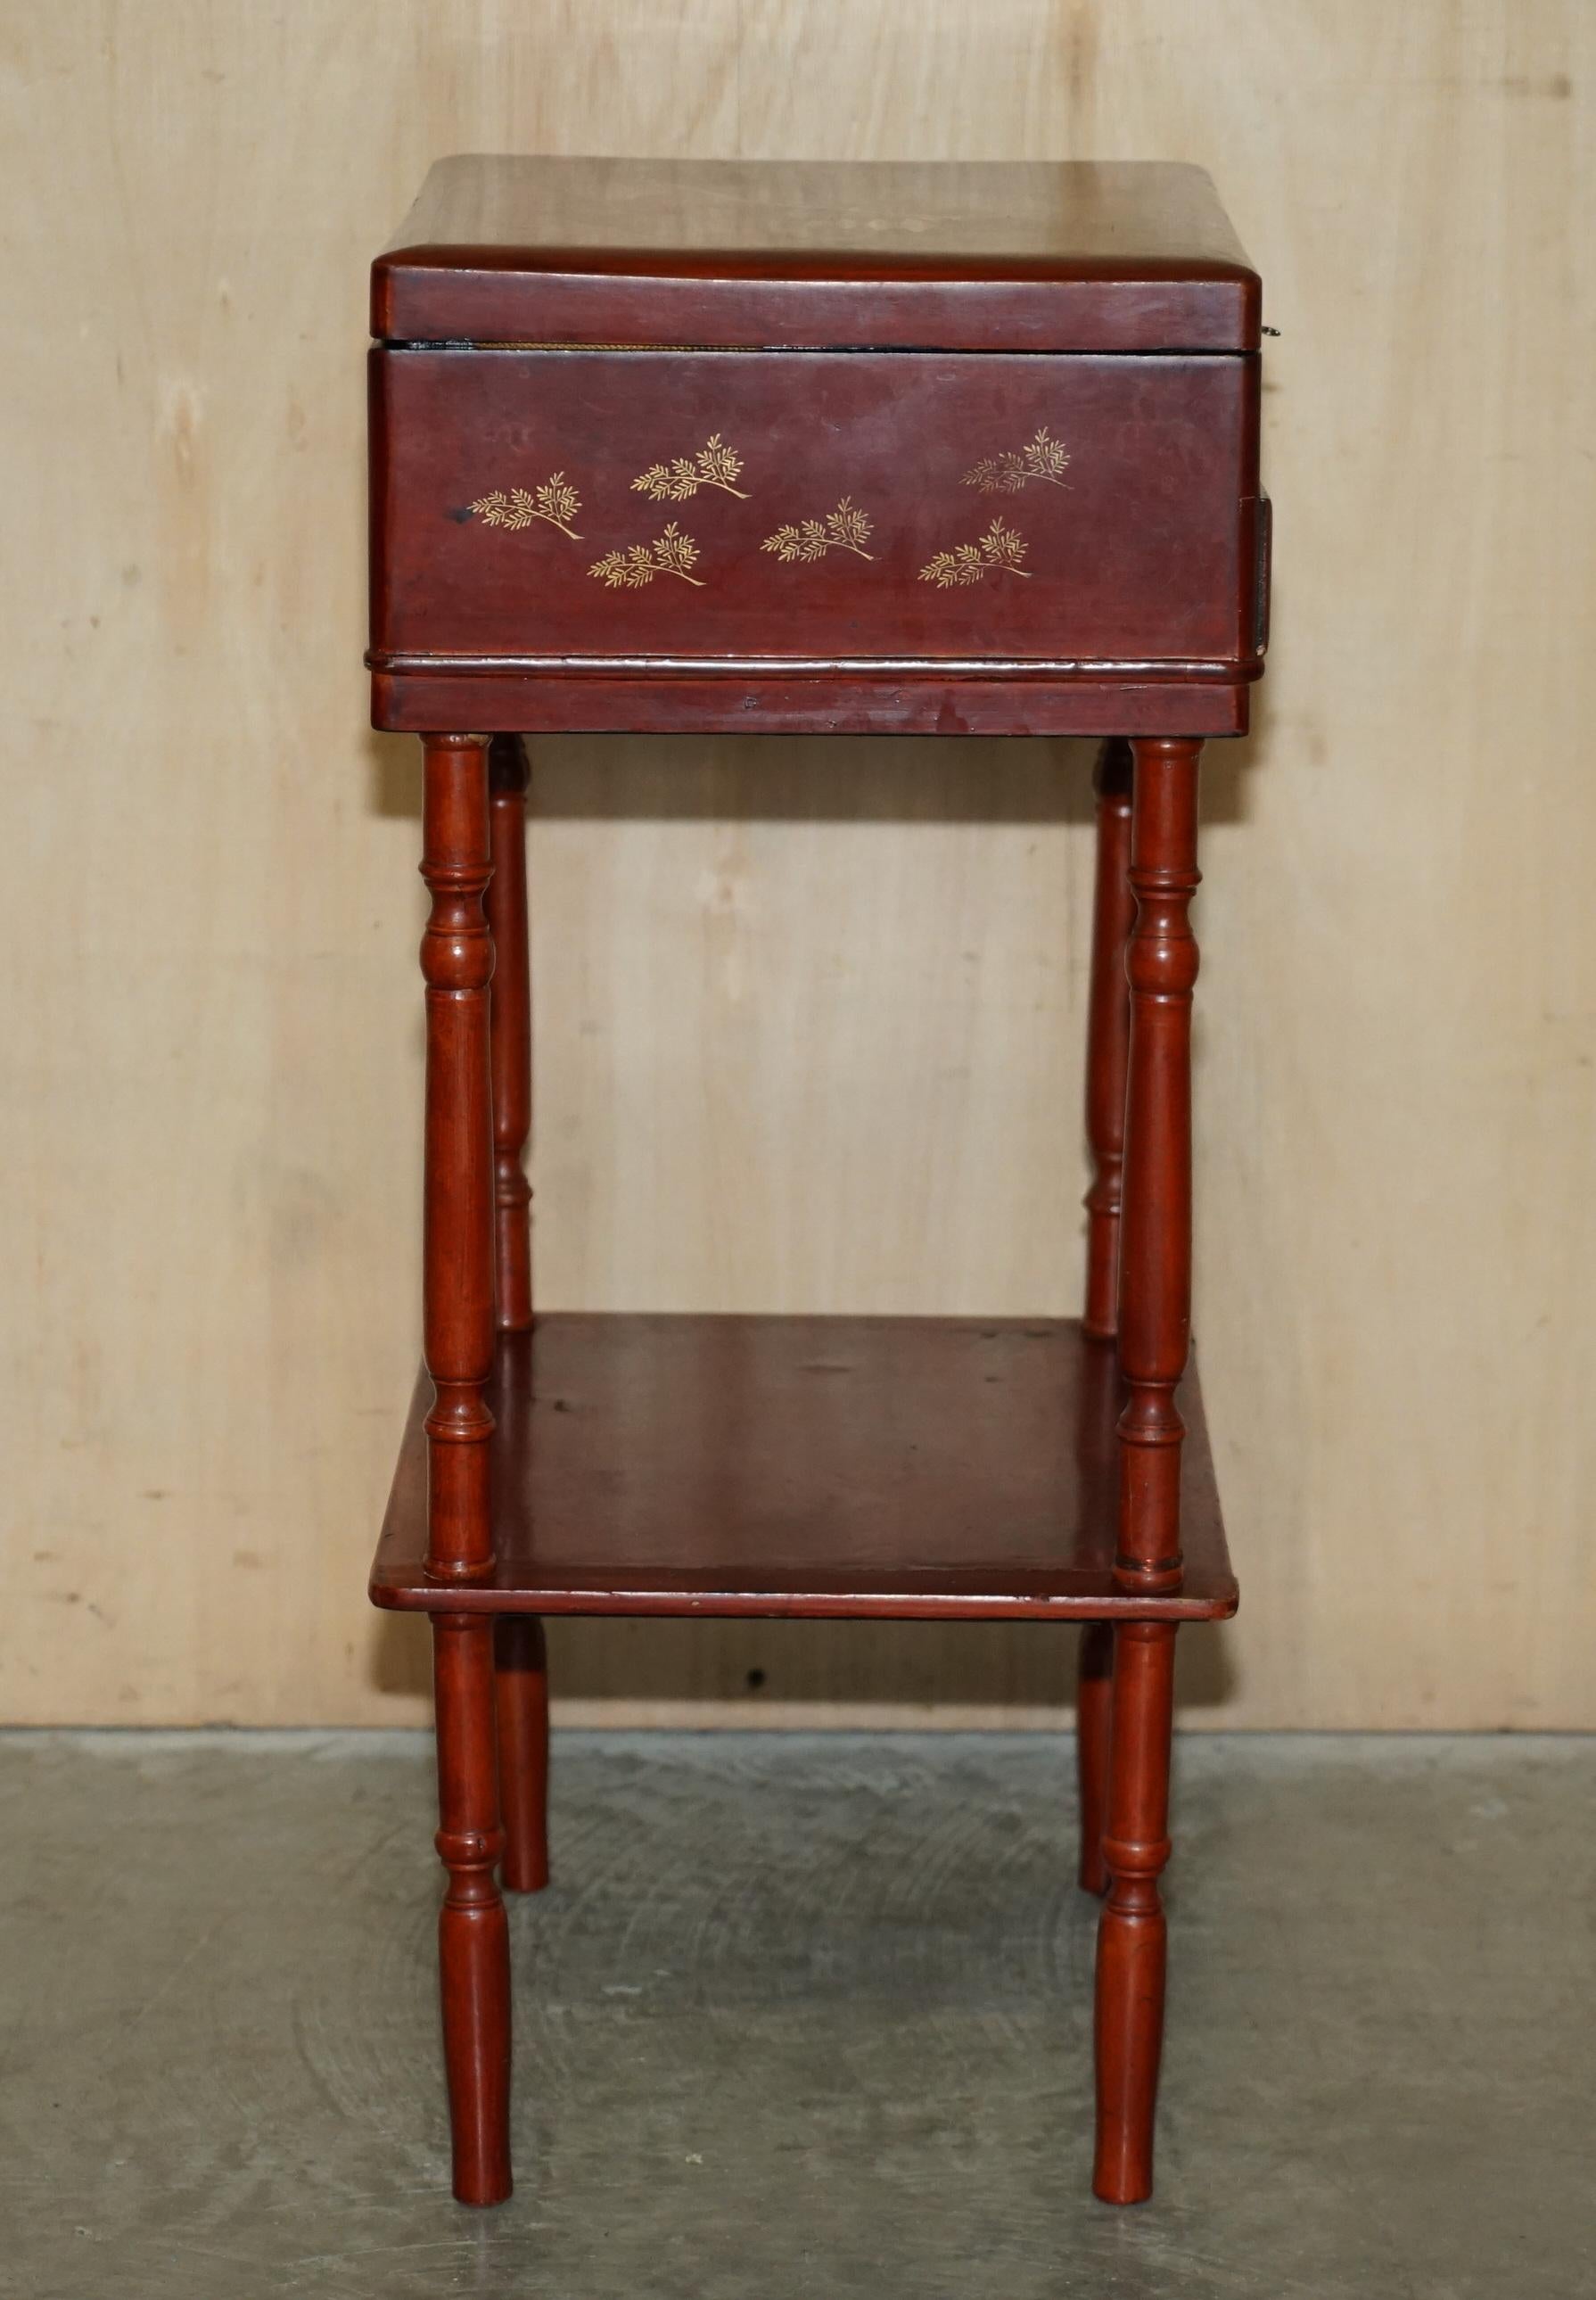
point(1060, 255)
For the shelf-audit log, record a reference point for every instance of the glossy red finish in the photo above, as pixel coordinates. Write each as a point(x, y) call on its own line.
point(1067, 351)
point(1155, 1246)
point(521, 1673)
point(512, 1033)
point(473, 1940)
point(1061, 256)
point(704, 447)
point(1107, 1059)
point(457, 961)
point(819, 701)
point(1155, 1291)
point(1136, 560)
point(1107, 1037)
point(1131, 1934)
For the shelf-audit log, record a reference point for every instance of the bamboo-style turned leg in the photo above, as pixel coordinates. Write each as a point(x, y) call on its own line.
point(473, 1937)
point(508, 778)
point(1108, 1050)
point(1131, 1935)
point(1107, 1036)
point(522, 1668)
point(457, 962)
point(1155, 1332)
point(1155, 1242)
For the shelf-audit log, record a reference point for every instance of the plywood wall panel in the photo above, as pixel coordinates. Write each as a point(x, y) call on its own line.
point(808, 1016)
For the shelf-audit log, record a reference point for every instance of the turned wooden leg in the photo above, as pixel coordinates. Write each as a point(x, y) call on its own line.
point(1155, 1243)
point(523, 1690)
point(1108, 1055)
point(1130, 1943)
point(473, 1937)
point(508, 778)
point(457, 962)
point(1155, 1282)
point(1107, 1036)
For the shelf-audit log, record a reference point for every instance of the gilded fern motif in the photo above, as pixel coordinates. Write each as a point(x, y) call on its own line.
point(1000, 547)
point(556, 501)
point(1041, 458)
point(670, 553)
point(715, 465)
point(845, 529)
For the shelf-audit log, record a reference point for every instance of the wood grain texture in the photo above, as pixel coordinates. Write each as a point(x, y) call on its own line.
point(808, 1019)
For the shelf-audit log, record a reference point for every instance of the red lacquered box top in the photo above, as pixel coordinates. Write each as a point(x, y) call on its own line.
point(1049, 256)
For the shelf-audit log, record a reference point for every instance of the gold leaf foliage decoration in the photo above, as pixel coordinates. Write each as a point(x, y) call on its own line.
point(670, 553)
point(1041, 458)
point(715, 465)
point(556, 501)
point(1000, 547)
point(845, 529)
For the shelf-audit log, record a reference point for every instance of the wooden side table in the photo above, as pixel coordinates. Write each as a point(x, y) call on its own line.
point(862, 449)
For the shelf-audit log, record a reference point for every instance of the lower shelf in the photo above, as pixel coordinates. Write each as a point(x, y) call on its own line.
point(944, 1468)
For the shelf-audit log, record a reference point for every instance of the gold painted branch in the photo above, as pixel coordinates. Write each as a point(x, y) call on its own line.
point(845, 529)
point(555, 501)
point(1000, 547)
point(715, 465)
point(1043, 457)
point(670, 553)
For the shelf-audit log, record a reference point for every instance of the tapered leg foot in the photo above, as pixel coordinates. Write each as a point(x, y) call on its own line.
point(474, 1963)
point(521, 1662)
point(1130, 2030)
point(473, 1937)
point(1131, 1933)
point(1093, 1695)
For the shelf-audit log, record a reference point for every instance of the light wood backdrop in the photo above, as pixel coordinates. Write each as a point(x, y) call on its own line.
point(808, 1017)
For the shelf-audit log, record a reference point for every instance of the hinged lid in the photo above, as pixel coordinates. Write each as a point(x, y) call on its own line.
point(1066, 257)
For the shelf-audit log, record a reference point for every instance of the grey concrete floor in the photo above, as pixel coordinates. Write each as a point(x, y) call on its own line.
point(801, 2015)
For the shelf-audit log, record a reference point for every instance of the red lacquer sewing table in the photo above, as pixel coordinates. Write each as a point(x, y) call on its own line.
point(691, 448)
